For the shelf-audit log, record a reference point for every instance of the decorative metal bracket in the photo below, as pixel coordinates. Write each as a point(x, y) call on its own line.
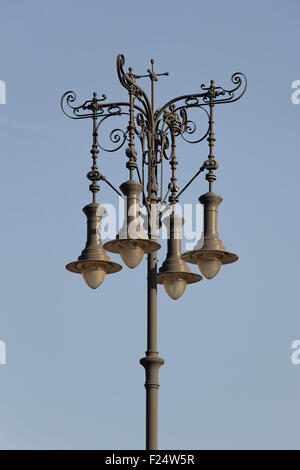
point(156, 130)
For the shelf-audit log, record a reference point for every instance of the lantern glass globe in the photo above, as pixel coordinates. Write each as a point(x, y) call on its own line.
point(132, 254)
point(93, 276)
point(174, 287)
point(209, 266)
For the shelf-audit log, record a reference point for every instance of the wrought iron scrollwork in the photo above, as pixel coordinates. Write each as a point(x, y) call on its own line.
point(82, 111)
point(238, 79)
point(157, 130)
point(176, 120)
point(116, 136)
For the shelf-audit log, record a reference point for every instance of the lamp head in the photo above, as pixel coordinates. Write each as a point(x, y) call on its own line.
point(93, 263)
point(132, 241)
point(174, 273)
point(209, 252)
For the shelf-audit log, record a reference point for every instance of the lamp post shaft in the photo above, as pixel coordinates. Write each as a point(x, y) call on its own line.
point(151, 362)
point(152, 303)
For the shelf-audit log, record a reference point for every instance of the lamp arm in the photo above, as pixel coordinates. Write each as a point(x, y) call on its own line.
point(192, 100)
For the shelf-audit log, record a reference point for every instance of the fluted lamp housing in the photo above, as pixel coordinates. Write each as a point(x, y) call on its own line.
point(93, 263)
point(175, 273)
point(209, 252)
point(132, 242)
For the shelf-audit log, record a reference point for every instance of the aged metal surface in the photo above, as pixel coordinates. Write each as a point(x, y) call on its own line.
point(156, 131)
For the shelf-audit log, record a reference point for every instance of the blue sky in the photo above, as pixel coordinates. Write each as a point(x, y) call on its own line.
point(72, 378)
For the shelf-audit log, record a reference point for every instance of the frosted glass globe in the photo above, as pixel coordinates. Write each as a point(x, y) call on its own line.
point(132, 254)
point(209, 266)
point(174, 287)
point(93, 276)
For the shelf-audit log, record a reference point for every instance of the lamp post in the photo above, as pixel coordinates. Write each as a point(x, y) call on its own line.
point(157, 132)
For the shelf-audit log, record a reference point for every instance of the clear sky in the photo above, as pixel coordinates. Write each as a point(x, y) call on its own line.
point(72, 378)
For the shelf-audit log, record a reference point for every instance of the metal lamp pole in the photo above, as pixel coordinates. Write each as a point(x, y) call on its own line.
point(157, 131)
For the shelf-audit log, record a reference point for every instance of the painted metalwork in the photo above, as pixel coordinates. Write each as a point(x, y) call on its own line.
point(156, 131)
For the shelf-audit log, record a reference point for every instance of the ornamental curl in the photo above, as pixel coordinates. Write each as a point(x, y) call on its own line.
point(116, 136)
point(237, 79)
point(75, 112)
point(176, 122)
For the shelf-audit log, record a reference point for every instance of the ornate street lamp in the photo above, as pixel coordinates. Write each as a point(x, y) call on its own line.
point(157, 131)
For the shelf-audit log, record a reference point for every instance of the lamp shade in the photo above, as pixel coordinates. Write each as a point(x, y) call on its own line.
point(209, 253)
point(93, 263)
point(131, 242)
point(174, 273)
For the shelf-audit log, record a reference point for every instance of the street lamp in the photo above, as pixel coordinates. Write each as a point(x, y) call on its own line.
point(157, 131)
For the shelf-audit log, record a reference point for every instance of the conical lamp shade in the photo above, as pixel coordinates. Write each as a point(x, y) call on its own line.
point(174, 273)
point(209, 252)
point(93, 263)
point(132, 242)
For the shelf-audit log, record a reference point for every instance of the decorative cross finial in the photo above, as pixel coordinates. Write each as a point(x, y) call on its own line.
point(153, 77)
point(151, 74)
